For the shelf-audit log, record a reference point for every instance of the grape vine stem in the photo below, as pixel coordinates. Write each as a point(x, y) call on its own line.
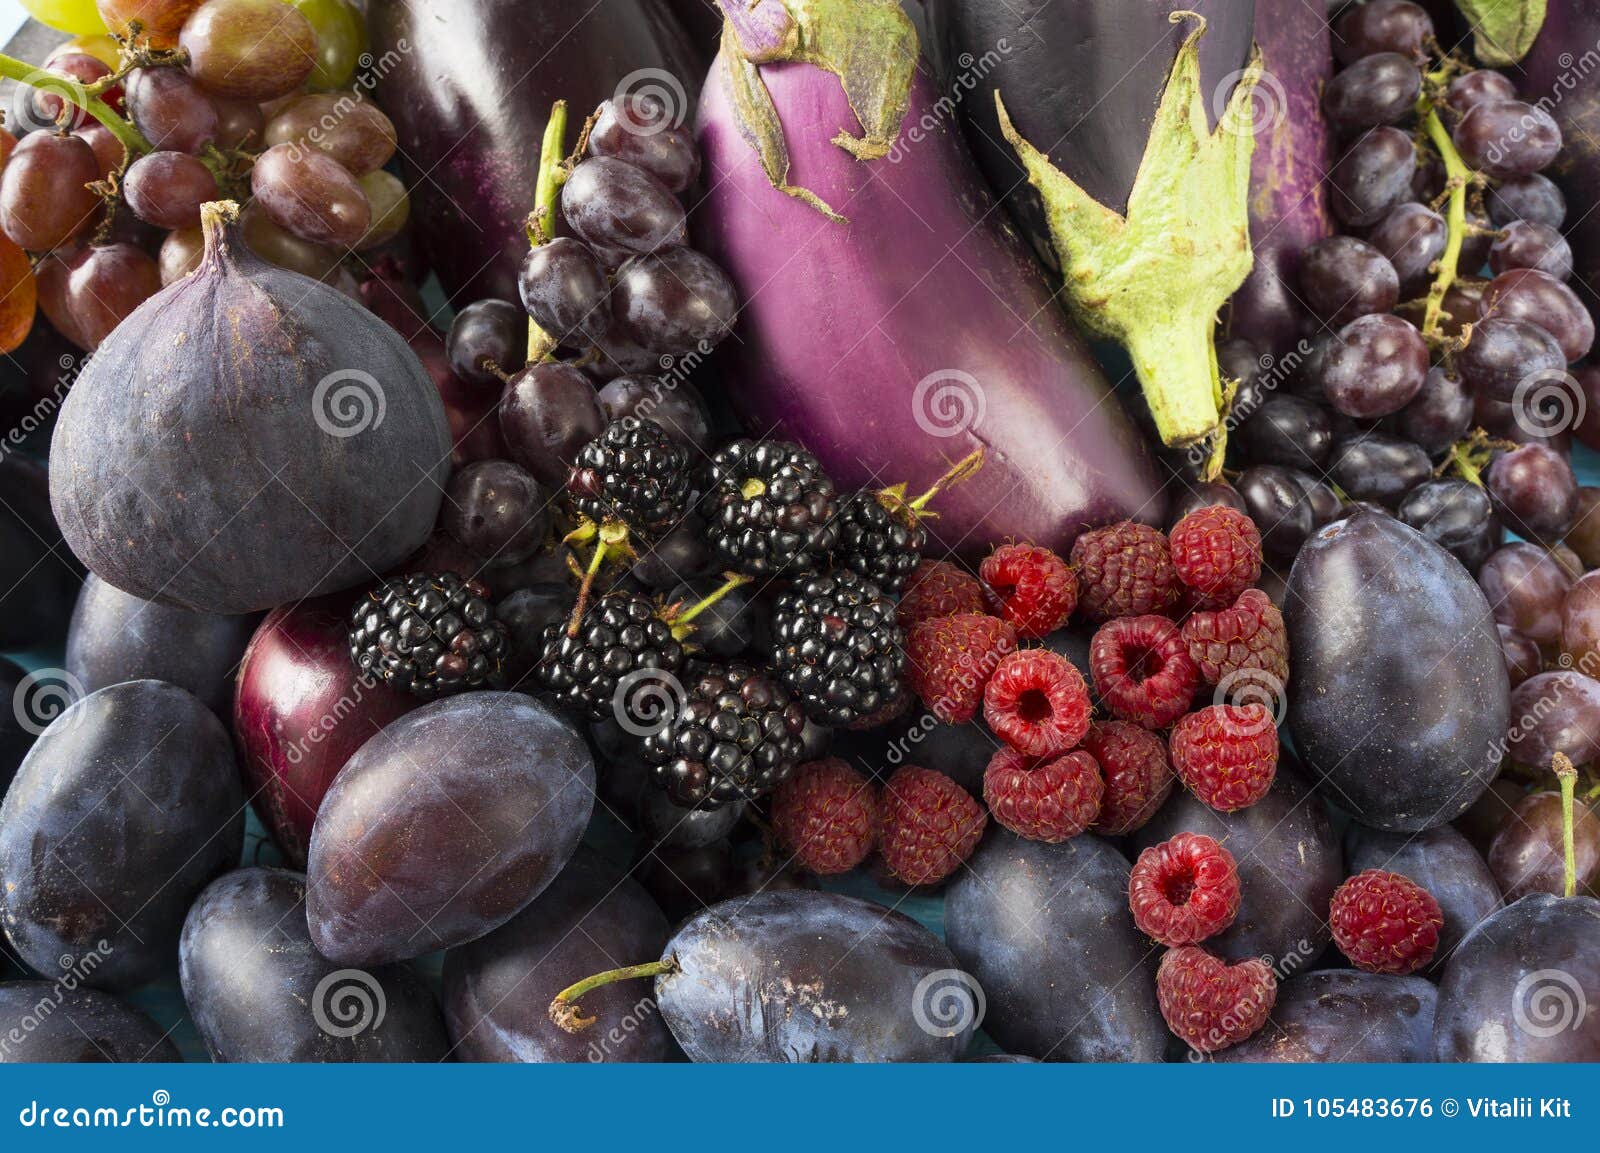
point(74, 93)
point(1457, 177)
point(542, 223)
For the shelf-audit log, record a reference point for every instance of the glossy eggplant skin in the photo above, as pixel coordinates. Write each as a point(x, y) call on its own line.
point(469, 85)
point(1046, 931)
point(498, 989)
point(1524, 985)
point(1443, 862)
point(1338, 1015)
point(1294, 150)
point(1081, 82)
point(1549, 77)
point(799, 976)
point(75, 1026)
point(1400, 697)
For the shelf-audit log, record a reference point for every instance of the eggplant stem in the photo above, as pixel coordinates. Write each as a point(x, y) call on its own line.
point(542, 221)
point(568, 1014)
point(1176, 359)
point(1568, 776)
point(1457, 177)
point(964, 469)
point(131, 138)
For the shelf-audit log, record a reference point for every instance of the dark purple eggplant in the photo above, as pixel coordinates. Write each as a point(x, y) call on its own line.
point(921, 357)
point(469, 85)
point(1294, 150)
point(1134, 123)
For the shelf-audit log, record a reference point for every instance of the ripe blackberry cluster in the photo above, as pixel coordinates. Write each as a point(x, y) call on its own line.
point(736, 737)
point(623, 638)
point(428, 634)
point(634, 472)
point(770, 509)
point(880, 538)
point(836, 644)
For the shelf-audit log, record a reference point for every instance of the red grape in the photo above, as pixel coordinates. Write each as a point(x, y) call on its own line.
point(1526, 589)
point(352, 131)
point(1531, 295)
point(1534, 491)
point(168, 188)
point(171, 110)
point(180, 254)
point(43, 201)
point(108, 283)
point(249, 49)
point(310, 195)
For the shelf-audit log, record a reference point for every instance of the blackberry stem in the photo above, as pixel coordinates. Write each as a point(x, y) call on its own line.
point(963, 469)
point(1568, 776)
point(678, 621)
point(611, 535)
point(568, 1014)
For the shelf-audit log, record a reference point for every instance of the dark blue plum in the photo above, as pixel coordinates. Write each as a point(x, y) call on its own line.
point(77, 1026)
point(1342, 1015)
point(1046, 931)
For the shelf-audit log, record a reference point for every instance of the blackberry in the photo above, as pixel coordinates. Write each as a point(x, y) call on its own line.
point(736, 737)
point(880, 537)
point(622, 657)
point(633, 473)
point(428, 634)
point(836, 644)
point(770, 508)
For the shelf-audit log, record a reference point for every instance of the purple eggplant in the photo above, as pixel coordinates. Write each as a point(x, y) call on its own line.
point(1554, 77)
point(891, 322)
point(1134, 122)
point(469, 85)
point(1294, 150)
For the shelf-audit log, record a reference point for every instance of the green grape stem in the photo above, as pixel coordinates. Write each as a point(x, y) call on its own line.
point(74, 93)
point(1568, 776)
point(1457, 177)
point(542, 223)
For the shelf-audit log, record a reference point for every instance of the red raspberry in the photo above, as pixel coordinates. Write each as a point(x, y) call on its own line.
point(937, 589)
point(1245, 648)
point(1124, 571)
point(1385, 923)
point(1037, 703)
point(1051, 800)
point(1226, 754)
point(950, 660)
point(1216, 552)
point(1133, 763)
point(1211, 1004)
point(1035, 589)
point(1184, 890)
point(929, 825)
point(1142, 671)
point(826, 814)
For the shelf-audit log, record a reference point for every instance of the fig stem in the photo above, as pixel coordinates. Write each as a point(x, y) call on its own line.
point(568, 1014)
point(1568, 776)
point(542, 223)
point(963, 469)
point(131, 138)
point(684, 621)
point(1457, 176)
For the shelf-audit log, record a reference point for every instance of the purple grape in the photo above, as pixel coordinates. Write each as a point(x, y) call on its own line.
point(1382, 26)
point(1531, 295)
point(675, 405)
point(171, 110)
point(1378, 89)
point(1289, 431)
point(612, 203)
point(1534, 491)
point(1526, 589)
point(639, 130)
point(1457, 516)
point(1276, 501)
point(564, 289)
point(487, 335)
point(1377, 467)
point(1375, 367)
point(1470, 89)
point(1372, 177)
point(1523, 659)
point(1411, 238)
point(674, 301)
point(1533, 198)
point(496, 510)
point(1342, 278)
point(1524, 244)
point(1438, 416)
point(1507, 138)
point(1503, 352)
point(547, 413)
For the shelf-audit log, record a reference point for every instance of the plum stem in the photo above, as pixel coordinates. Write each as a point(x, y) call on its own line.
point(1568, 776)
point(568, 1014)
point(72, 92)
point(542, 221)
point(682, 622)
point(1457, 177)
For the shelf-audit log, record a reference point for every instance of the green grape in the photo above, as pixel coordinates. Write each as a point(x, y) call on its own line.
point(341, 39)
point(80, 17)
point(391, 208)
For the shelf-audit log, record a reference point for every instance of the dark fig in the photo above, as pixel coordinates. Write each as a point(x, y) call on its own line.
point(444, 826)
point(126, 807)
point(258, 991)
point(497, 989)
point(1045, 930)
point(1405, 695)
point(42, 1022)
point(801, 976)
point(247, 437)
point(116, 637)
point(1341, 1015)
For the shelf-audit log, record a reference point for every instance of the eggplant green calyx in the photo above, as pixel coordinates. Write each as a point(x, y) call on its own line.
point(1503, 30)
point(870, 45)
point(1155, 279)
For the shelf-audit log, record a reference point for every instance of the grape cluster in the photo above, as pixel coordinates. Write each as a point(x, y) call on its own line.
point(244, 99)
point(1434, 382)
